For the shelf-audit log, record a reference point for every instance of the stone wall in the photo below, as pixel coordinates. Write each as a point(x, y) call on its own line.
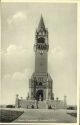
point(27, 103)
point(57, 104)
point(53, 104)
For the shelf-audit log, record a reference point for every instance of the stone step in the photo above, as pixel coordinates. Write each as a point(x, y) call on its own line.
point(42, 105)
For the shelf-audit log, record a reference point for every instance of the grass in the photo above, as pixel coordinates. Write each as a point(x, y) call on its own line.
point(9, 115)
point(73, 114)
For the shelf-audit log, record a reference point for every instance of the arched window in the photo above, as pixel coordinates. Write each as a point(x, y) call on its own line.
point(41, 40)
point(40, 83)
point(32, 106)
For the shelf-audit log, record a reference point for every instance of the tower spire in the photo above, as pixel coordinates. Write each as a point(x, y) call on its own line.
point(41, 23)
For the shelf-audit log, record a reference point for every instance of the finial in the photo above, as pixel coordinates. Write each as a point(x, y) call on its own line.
point(65, 98)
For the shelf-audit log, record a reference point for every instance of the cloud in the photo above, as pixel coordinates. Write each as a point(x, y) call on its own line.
point(25, 75)
point(16, 83)
point(19, 76)
point(19, 16)
point(57, 53)
point(13, 49)
point(16, 59)
point(7, 76)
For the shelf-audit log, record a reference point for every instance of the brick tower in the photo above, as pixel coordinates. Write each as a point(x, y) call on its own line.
point(40, 84)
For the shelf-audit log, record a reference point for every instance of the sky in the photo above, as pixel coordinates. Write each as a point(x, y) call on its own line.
point(18, 26)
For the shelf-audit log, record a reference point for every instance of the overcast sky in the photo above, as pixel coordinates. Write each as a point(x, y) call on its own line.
point(19, 22)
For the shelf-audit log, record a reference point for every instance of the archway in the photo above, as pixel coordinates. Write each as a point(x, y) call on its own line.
point(39, 95)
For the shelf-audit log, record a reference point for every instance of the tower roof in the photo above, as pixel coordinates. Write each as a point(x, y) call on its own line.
point(41, 23)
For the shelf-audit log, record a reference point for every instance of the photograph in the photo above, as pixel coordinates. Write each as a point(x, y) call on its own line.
point(38, 62)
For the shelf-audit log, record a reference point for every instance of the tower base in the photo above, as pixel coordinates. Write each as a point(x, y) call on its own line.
point(45, 104)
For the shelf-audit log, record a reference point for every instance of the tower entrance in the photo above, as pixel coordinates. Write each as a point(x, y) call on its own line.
point(39, 95)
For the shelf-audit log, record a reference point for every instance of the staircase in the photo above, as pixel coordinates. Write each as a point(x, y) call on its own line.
point(42, 105)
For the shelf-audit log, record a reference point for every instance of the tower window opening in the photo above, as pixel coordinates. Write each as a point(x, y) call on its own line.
point(40, 83)
point(41, 40)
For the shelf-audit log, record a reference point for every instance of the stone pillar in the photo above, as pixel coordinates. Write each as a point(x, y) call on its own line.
point(27, 96)
point(29, 88)
point(47, 89)
point(52, 96)
point(17, 102)
point(47, 93)
point(65, 103)
point(44, 94)
point(57, 99)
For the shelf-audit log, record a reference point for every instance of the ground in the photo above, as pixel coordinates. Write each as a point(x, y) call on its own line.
point(8, 115)
point(45, 115)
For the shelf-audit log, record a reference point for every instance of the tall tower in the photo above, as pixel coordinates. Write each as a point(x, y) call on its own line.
point(40, 84)
point(41, 48)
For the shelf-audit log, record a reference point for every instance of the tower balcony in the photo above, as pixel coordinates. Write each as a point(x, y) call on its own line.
point(41, 46)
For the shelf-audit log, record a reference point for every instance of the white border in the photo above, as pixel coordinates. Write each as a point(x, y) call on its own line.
point(78, 52)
